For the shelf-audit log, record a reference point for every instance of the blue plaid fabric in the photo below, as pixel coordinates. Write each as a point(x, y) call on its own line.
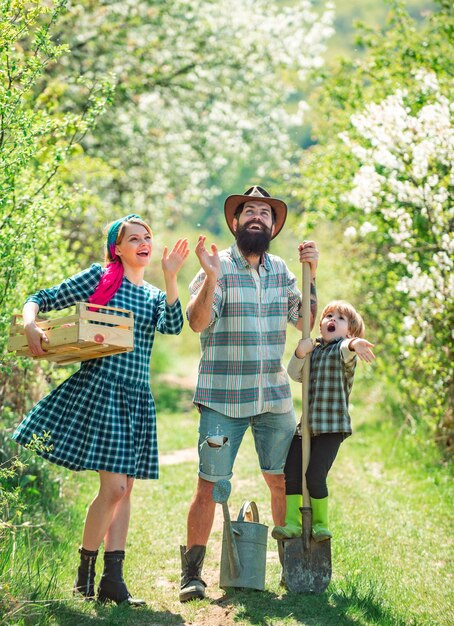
point(103, 417)
point(240, 371)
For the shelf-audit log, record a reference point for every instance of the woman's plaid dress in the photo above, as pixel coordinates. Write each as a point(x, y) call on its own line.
point(103, 417)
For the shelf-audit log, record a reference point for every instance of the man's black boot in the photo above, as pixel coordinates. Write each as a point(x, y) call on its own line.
point(192, 585)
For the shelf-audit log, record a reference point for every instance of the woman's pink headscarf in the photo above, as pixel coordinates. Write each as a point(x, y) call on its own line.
point(112, 276)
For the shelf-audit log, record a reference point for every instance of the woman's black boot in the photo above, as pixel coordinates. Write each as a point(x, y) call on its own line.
point(85, 579)
point(112, 587)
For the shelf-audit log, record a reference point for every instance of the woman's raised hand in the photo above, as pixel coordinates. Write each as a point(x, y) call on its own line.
point(172, 261)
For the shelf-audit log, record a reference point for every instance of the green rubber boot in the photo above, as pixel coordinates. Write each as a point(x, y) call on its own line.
point(320, 530)
point(293, 521)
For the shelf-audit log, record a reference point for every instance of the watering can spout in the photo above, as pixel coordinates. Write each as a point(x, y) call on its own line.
point(221, 492)
point(232, 550)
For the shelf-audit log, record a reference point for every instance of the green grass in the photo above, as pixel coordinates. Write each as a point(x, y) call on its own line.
point(391, 515)
point(34, 523)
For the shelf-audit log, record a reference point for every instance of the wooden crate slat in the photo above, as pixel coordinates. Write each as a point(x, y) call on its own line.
point(72, 337)
point(67, 360)
point(83, 306)
point(58, 321)
point(18, 327)
point(112, 335)
point(57, 337)
point(106, 318)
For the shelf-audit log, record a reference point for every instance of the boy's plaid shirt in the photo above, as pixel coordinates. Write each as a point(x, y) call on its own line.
point(331, 381)
point(240, 371)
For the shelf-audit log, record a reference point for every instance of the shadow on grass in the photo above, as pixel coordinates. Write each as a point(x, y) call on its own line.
point(84, 614)
point(336, 607)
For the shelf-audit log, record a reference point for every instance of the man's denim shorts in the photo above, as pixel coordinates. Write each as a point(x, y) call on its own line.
point(220, 437)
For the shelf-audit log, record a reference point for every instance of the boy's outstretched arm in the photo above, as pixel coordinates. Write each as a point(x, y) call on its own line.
point(362, 348)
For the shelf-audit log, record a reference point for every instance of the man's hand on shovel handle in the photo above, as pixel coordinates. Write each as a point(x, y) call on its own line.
point(308, 253)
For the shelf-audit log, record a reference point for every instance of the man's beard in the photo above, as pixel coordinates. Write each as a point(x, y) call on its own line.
point(253, 242)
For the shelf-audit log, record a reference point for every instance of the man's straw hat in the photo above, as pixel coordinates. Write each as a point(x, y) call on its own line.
point(256, 193)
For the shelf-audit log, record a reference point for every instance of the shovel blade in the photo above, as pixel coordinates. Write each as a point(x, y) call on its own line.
point(307, 569)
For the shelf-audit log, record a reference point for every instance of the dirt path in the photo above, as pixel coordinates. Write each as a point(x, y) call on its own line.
point(179, 456)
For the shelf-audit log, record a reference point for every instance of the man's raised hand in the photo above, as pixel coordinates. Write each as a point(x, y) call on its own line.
point(210, 263)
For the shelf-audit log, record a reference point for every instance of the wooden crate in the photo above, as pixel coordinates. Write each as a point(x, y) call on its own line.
point(91, 333)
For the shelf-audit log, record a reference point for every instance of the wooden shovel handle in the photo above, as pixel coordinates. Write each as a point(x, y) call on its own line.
point(305, 430)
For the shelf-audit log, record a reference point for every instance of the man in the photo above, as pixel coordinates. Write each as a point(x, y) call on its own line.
point(241, 301)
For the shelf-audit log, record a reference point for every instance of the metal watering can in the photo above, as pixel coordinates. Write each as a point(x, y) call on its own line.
point(243, 557)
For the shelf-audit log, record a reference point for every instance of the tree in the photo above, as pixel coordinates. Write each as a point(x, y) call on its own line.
point(38, 140)
point(385, 159)
point(202, 89)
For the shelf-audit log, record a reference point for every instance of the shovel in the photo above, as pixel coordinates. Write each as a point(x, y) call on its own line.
point(307, 563)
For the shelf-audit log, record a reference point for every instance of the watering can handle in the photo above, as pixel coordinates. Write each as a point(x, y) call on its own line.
point(248, 505)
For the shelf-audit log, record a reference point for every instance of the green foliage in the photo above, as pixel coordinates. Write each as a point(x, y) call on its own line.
point(349, 14)
point(39, 138)
point(199, 86)
point(382, 168)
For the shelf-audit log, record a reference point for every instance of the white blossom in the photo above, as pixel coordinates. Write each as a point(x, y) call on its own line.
point(408, 340)
point(366, 228)
point(427, 80)
point(213, 89)
point(367, 185)
point(350, 232)
point(404, 188)
point(408, 322)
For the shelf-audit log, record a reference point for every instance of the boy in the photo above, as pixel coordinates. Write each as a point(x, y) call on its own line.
point(332, 368)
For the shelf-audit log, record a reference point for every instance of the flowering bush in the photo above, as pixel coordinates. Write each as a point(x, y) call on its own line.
point(403, 195)
point(383, 168)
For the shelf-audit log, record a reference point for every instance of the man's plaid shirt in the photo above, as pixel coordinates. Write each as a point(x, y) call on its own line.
point(240, 371)
point(332, 369)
